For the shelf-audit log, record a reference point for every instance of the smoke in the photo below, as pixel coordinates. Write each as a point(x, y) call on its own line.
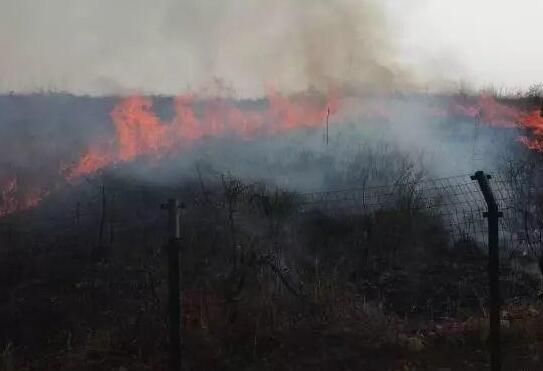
point(167, 46)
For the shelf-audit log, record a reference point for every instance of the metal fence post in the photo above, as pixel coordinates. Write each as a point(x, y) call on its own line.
point(174, 307)
point(492, 215)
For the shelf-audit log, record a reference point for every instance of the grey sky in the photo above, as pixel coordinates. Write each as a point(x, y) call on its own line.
point(482, 42)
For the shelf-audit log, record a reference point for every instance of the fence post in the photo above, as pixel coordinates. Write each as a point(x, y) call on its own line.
point(492, 215)
point(174, 307)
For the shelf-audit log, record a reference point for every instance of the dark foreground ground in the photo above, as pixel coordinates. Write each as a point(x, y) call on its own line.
point(61, 311)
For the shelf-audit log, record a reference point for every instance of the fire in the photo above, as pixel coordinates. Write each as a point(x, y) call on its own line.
point(140, 132)
point(488, 111)
point(493, 113)
point(533, 122)
point(13, 199)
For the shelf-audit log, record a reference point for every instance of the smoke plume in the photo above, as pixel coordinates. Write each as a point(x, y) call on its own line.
point(166, 46)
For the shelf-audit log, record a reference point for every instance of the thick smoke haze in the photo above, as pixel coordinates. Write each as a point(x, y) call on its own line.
point(168, 46)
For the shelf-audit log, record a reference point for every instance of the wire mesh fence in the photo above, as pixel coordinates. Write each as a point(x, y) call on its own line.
point(109, 213)
point(457, 201)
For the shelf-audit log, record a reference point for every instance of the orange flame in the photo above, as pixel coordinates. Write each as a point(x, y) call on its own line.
point(493, 113)
point(489, 111)
point(140, 132)
point(534, 123)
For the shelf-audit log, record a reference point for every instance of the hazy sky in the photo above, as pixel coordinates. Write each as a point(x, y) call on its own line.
point(166, 46)
point(498, 42)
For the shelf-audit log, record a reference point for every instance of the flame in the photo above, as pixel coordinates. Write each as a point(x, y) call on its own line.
point(488, 111)
point(533, 122)
point(140, 132)
point(13, 199)
point(496, 114)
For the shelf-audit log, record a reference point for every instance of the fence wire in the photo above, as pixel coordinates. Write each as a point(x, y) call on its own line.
point(133, 216)
point(457, 201)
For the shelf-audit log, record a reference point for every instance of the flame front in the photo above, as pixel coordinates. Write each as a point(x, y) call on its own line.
point(140, 132)
point(493, 113)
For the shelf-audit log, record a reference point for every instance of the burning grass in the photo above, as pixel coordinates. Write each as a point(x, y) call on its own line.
point(139, 129)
